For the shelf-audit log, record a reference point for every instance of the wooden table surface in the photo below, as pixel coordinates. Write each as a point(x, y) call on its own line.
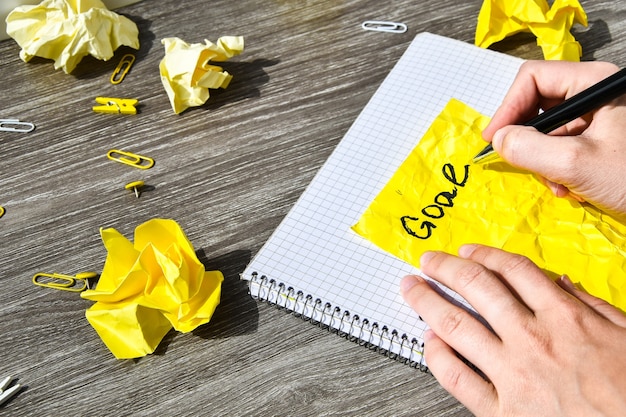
point(227, 172)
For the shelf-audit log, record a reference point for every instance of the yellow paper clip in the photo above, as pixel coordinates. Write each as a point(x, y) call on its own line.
point(129, 158)
point(77, 283)
point(122, 68)
point(116, 105)
point(2, 211)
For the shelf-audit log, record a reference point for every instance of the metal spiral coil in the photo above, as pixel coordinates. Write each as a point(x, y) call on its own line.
point(331, 318)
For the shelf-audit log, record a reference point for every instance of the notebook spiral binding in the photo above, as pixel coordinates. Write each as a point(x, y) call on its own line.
point(349, 326)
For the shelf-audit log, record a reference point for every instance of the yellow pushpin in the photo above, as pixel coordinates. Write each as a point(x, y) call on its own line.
point(135, 185)
point(2, 211)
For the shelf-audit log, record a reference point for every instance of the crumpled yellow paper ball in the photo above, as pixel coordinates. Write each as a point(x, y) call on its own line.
point(148, 287)
point(551, 25)
point(68, 30)
point(186, 73)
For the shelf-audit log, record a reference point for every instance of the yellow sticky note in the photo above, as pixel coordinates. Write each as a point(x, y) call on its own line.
point(439, 200)
point(498, 19)
point(186, 73)
point(148, 287)
point(68, 30)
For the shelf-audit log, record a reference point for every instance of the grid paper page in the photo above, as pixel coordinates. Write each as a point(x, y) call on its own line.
point(314, 250)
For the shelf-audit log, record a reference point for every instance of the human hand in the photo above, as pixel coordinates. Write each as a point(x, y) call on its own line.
point(553, 350)
point(585, 159)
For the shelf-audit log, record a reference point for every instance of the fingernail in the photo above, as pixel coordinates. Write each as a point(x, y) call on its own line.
point(426, 256)
point(559, 190)
point(466, 251)
point(566, 282)
point(497, 139)
point(428, 335)
point(554, 187)
point(409, 282)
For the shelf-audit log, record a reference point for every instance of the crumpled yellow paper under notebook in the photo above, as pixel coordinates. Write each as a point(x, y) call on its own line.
point(148, 287)
point(498, 19)
point(439, 200)
point(68, 30)
point(186, 73)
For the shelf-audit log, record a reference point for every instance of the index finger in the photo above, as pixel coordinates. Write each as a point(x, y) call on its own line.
point(542, 85)
point(480, 286)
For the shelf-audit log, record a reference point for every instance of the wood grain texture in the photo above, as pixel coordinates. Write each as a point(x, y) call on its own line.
point(228, 172)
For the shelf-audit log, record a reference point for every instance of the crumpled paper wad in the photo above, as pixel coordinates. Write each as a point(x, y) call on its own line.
point(186, 73)
point(439, 200)
point(68, 30)
point(148, 287)
point(551, 25)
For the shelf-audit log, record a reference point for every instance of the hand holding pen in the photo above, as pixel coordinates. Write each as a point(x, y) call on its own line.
point(584, 158)
point(574, 365)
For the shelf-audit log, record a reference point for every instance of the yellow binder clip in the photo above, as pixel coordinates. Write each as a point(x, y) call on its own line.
point(129, 158)
point(116, 105)
point(77, 283)
point(122, 68)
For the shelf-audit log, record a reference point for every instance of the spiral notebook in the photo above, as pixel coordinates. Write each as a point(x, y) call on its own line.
point(314, 265)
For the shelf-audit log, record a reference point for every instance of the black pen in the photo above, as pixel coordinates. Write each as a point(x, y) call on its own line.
point(587, 100)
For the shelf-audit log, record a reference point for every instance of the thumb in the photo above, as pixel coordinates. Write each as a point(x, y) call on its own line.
point(525, 147)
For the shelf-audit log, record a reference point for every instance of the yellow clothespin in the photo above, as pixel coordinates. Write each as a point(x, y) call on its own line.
point(116, 105)
point(129, 158)
point(77, 283)
point(122, 68)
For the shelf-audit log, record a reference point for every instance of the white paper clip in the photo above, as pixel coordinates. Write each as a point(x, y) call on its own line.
point(14, 125)
point(381, 26)
point(5, 392)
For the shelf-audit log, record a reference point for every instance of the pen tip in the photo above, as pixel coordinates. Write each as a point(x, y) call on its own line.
point(485, 153)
